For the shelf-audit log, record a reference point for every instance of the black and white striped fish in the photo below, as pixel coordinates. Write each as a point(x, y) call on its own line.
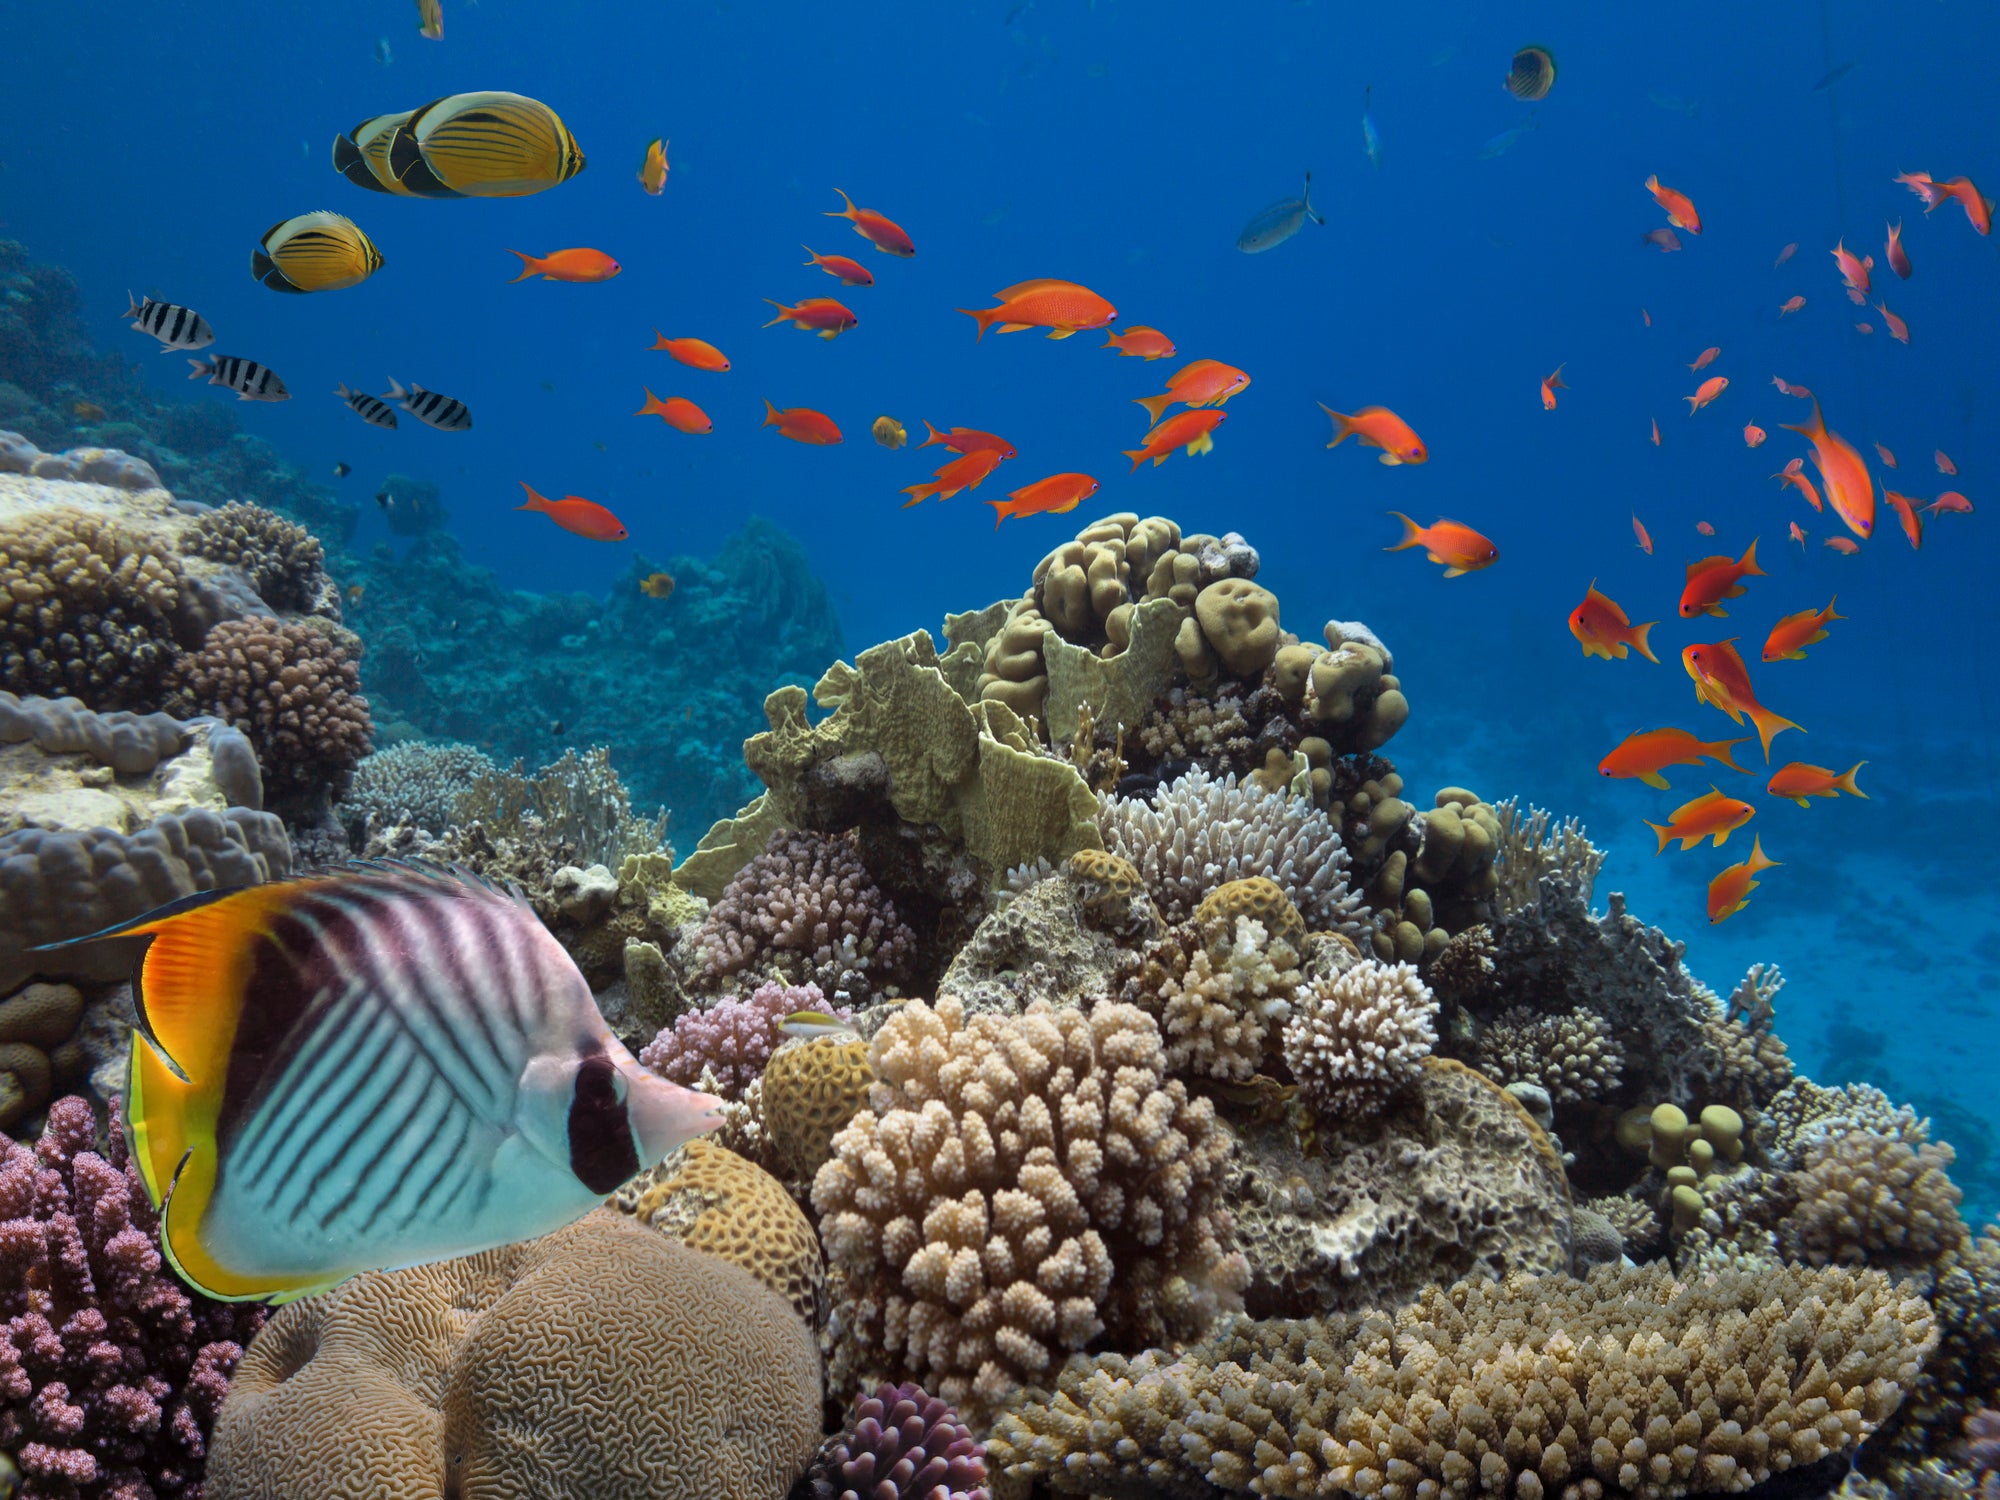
point(175, 327)
point(371, 409)
point(250, 380)
point(372, 1068)
point(432, 409)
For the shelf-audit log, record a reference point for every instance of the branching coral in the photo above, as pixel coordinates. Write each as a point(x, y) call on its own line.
point(1357, 1038)
point(731, 1040)
point(901, 1444)
point(1219, 1001)
point(1626, 1383)
point(809, 911)
point(416, 782)
point(1874, 1197)
point(1024, 1186)
point(578, 800)
point(110, 1373)
point(283, 561)
point(1571, 1054)
point(1532, 848)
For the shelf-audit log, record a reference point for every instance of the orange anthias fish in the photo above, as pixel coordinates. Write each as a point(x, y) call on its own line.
point(1790, 636)
point(1864, 327)
point(1794, 474)
point(1886, 456)
point(586, 518)
point(692, 352)
point(1753, 435)
point(653, 168)
point(1906, 515)
point(1850, 489)
point(1378, 427)
point(1680, 209)
point(1710, 388)
point(1800, 781)
point(850, 272)
point(1978, 208)
point(1792, 305)
point(1647, 754)
point(677, 412)
point(967, 472)
point(1062, 307)
point(1188, 429)
point(1603, 629)
point(1799, 535)
point(1845, 545)
point(1714, 579)
point(1645, 542)
point(802, 425)
point(1944, 463)
point(1730, 891)
point(1051, 496)
point(1461, 549)
point(1199, 382)
point(1950, 500)
point(1788, 388)
point(884, 234)
point(1712, 815)
point(1920, 183)
point(1706, 358)
point(1656, 432)
point(1141, 342)
point(568, 265)
point(1898, 329)
point(1853, 272)
point(821, 315)
point(1722, 681)
point(1704, 528)
point(1550, 386)
point(968, 440)
point(1895, 254)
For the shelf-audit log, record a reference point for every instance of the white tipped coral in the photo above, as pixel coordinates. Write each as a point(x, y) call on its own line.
point(1357, 1038)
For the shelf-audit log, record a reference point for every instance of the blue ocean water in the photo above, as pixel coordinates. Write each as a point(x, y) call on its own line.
point(1123, 146)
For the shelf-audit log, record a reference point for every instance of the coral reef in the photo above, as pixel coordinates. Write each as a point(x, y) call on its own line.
point(901, 1444)
point(283, 561)
point(1625, 1383)
point(1880, 1199)
point(1222, 989)
point(1572, 1054)
point(729, 1043)
point(1355, 1040)
point(111, 1373)
point(583, 1365)
point(810, 1089)
point(416, 782)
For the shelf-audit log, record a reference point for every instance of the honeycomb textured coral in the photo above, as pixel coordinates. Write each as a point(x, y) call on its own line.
point(811, 1088)
point(1355, 1039)
point(581, 1366)
point(1626, 1383)
point(732, 1040)
point(283, 561)
point(1024, 1185)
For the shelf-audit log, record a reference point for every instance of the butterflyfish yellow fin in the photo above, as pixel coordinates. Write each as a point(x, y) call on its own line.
point(188, 1195)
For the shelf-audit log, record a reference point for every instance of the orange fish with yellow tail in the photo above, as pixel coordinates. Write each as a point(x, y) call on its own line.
point(1378, 427)
point(1603, 629)
point(1722, 681)
point(1062, 307)
point(1713, 579)
point(1800, 781)
point(1461, 549)
point(1712, 815)
point(1648, 753)
point(884, 233)
point(1188, 429)
point(966, 472)
point(1790, 636)
point(1843, 473)
point(1730, 890)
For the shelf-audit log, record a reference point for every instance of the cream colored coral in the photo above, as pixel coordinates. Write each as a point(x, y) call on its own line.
point(1218, 1001)
point(1571, 1054)
point(1023, 1186)
point(1875, 1197)
point(1355, 1039)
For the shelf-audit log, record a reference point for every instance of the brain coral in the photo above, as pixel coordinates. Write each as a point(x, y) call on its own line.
point(1355, 1039)
point(283, 561)
point(1628, 1383)
point(1024, 1186)
point(602, 1362)
point(294, 690)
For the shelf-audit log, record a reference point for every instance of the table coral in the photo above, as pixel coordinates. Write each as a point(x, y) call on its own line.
point(586, 1365)
point(901, 1444)
point(732, 1040)
point(1355, 1039)
point(1626, 1383)
point(1024, 1186)
point(110, 1372)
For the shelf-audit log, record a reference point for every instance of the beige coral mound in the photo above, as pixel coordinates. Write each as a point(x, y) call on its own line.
point(1024, 1185)
point(602, 1362)
point(1355, 1039)
point(1879, 1197)
point(1571, 1054)
point(1628, 1383)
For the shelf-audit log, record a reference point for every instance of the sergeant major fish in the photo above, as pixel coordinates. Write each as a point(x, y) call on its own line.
point(371, 409)
point(250, 380)
point(175, 327)
point(431, 408)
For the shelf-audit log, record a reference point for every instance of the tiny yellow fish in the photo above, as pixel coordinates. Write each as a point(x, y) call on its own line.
point(812, 1023)
point(889, 432)
point(355, 591)
point(87, 411)
point(430, 19)
point(657, 585)
point(653, 170)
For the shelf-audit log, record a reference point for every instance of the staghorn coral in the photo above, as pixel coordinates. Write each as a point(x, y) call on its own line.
point(809, 911)
point(730, 1041)
point(1024, 1186)
point(901, 1443)
point(416, 782)
point(1220, 990)
point(1572, 1055)
point(294, 690)
point(283, 561)
point(1198, 833)
point(1355, 1039)
point(1872, 1197)
point(1625, 1383)
point(110, 1373)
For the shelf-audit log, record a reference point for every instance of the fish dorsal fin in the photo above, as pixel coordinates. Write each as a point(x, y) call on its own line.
point(1704, 564)
point(1022, 288)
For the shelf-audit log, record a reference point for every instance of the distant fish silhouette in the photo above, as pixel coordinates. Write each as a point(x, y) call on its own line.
point(1279, 222)
point(1834, 77)
point(1506, 140)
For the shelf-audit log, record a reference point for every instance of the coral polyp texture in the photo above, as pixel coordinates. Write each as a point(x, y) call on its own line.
point(901, 1444)
point(283, 561)
point(1025, 1186)
point(1357, 1038)
point(731, 1041)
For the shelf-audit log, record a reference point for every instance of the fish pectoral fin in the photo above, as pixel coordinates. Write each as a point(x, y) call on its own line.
point(1060, 333)
point(1383, 458)
point(1656, 780)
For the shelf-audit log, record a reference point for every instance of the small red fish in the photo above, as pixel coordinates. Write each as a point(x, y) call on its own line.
point(850, 272)
point(1850, 488)
point(1048, 302)
point(1199, 382)
point(1895, 254)
point(1730, 891)
point(1187, 429)
point(1853, 272)
point(1791, 635)
point(1978, 208)
point(1656, 432)
point(568, 265)
point(693, 353)
point(1710, 388)
point(1753, 435)
point(802, 424)
point(1845, 545)
point(1550, 386)
point(1898, 329)
point(1800, 781)
point(1603, 629)
point(1952, 501)
point(1704, 359)
point(1663, 240)
point(1647, 754)
point(1680, 209)
point(1944, 463)
point(1704, 528)
point(1920, 183)
point(1051, 496)
point(883, 233)
point(1786, 389)
point(585, 518)
point(677, 412)
point(1711, 815)
point(1794, 474)
point(1799, 535)
point(1461, 549)
point(1722, 681)
point(1906, 514)
point(821, 315)
point(1647, 316)
point(1140, 342)
point(1378, 427)
point(1792, 305)
point(967, 440)
point(1887, 457)
point(966, 472)
point(1864, 327)
point(1785, 254)
point(1713, 579)
point(1639, 531)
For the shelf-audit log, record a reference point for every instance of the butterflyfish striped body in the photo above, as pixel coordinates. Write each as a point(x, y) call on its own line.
point(483, 145)
point(315, 252)
point(373, 1068)
point(362, 155)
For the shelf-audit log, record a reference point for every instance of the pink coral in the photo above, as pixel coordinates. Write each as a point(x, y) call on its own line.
point(111, 1373)
point(733, 1039)
point(903, 1444)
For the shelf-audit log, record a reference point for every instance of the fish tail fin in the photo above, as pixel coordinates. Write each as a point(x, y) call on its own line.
point(784, 312)
point(1111, 340)
point(1002, 509)
point(1155, 405)
point(1137, 455)
point(1829, 608)
point(1769, 726)
point(1653, 183)
point(659, 339)
point(1748, 562)
point(935, 436)
point(771, 418)
point(201, 367)
point(654, 405)
point(1639, 641)
point(1556, 380)
point(534, 501)
point(133, 310)
point(817, 258)
point(983, 316)
point(918, 493)
point(846, 212)
point(1728, 755)
point(1666, 836)
point(529, 266)
point(396, 391)
point(1343, 425)
point(1847, 784)
point(1758, 859)
point(1413, 534)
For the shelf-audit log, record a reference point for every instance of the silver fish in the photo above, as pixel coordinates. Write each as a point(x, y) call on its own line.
point(432, 409)
point(1371, 142)
point(175, 327)
point(1279, 222)
point(1506, 140)
point(250, 380)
